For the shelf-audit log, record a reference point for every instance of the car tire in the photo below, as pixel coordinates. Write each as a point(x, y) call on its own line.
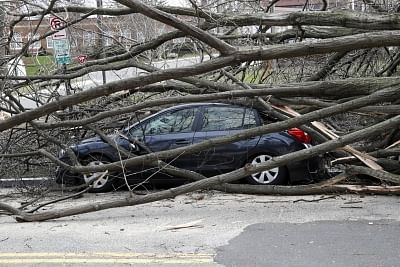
point(67, 178)
point(274, 176)
point(105, 183)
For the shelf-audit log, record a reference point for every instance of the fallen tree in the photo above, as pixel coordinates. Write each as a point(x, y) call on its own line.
point(228, 177)
point(332, 74)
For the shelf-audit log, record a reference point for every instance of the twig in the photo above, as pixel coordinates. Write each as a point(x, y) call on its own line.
point(123, 170)
point(353, 202)
point(194, 224)
point(59, 199)
point(34, 200)
point(86, 186)
point(313, 200)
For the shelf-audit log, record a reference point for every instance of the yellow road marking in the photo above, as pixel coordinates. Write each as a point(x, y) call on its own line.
point(102, 258)
point(99, 254)
point(104, 261)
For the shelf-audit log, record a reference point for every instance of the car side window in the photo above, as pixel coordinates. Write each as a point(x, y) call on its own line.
point(227, 118)
point(137, 132)
point(179, 121)
point(249, 120)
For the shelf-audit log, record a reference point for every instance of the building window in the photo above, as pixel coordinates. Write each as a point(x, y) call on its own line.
point(140, 37)
point(89, 39)
point(125, 36)
point(49, 42)
point(36, 43)
point(16, 42)
point(73, 42)
point(75, 38)
point(108, 38)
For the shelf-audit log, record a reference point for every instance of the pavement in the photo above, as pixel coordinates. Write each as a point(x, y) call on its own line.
point(25, 181)
point(209, 228)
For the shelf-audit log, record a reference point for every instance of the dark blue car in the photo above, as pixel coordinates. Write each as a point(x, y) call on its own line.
point(189, 124)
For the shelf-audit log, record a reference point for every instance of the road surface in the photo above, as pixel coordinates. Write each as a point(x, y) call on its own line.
point(211, 229)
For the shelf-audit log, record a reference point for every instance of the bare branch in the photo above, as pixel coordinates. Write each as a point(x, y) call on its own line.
point(161, 16)
point(219, 179)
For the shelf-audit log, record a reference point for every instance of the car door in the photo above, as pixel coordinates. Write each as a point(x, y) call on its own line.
point(218, 121)
point(168, 130)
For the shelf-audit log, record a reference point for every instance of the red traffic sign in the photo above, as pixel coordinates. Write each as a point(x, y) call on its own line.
point(82, 59)
point(56, 23)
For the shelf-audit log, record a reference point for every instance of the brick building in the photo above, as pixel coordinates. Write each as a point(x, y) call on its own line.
point(131, 29)
point(86, 35)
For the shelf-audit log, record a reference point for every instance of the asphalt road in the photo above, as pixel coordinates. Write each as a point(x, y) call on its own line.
point(322, 243)
point(210, 229)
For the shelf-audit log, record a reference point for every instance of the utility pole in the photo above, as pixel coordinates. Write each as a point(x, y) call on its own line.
point(3, 61)
point(100, 29)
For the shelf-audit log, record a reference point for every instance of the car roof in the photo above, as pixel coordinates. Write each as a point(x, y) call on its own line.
point(197, 104)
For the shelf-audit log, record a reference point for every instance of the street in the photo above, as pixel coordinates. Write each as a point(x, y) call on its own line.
point(95, 78)
point(320, 243)
point(211, 229)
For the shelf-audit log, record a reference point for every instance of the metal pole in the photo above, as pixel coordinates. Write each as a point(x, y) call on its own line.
point(66, 81)
point(100, 27)
point(3, 66)
point(67, 84)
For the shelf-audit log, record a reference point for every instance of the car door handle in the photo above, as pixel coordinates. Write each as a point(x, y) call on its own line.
point(182, 142)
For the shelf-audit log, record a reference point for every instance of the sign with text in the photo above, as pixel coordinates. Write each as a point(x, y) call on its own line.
point(59, 35)
point(61, 51)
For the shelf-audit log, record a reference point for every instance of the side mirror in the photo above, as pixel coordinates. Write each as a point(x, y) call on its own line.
point(134, 147)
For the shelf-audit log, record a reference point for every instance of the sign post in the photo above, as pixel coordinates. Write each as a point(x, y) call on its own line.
point(61, 49)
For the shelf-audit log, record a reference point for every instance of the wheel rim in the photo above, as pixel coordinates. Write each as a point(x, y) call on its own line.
point(264, 177)
point(103, 177)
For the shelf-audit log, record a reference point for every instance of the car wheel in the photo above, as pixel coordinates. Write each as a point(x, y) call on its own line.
point(274, 176)
point(102, 181)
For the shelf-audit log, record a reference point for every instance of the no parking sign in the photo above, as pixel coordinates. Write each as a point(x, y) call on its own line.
point(60, 40)
point(56, 24)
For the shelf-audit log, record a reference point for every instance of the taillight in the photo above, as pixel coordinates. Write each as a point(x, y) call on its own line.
point(300, 135)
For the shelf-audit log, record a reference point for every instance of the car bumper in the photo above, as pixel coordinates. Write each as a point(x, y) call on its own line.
point(305, 171)
point(66, 177)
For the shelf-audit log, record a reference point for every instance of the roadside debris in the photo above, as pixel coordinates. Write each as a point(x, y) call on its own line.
point(193, 224)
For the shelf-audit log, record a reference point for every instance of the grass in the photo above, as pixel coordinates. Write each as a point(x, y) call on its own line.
point(39, 65)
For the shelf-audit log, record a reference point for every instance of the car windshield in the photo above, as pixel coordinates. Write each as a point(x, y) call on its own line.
point(125, 130)
point(165, 121)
